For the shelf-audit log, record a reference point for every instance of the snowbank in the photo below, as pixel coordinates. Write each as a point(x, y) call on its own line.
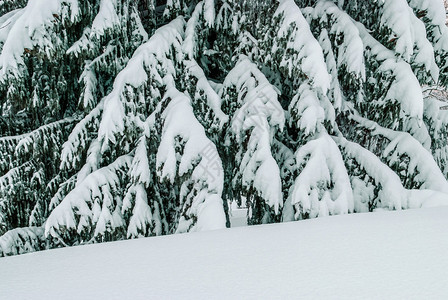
point(384, 255)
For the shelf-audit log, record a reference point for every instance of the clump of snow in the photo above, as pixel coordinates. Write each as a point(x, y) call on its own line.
point(323, 186)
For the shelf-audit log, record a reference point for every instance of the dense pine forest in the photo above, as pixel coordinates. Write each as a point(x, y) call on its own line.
point(122, 119)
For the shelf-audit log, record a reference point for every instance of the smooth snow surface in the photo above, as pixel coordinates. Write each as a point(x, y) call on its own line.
point(384, 255)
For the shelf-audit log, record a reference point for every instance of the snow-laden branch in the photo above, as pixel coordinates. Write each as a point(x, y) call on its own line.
point(154, 59)
point(93, 208)
point(33, 28)
point(200, 193)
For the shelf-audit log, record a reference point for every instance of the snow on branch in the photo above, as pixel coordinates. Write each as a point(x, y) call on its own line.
point(14, 176)
point(22, 240)
point(407, 157)
point(374, 184)
point(153, 60)
point(433, 14)
point(63, 189)
point(21, 188)
point(202, 89)
point(343, 50)
point(33, 144)
point(142, 221)
point(306, 111)
point(409, 34)
point(6, 23)
point(322, 187)
point(80, 138)
point(251, 84)
point(33, 29)
point(203, 12)
point(437, 121)
point(93, 208)
point(403, 93)
point(306, 58)
point(377, 186)
point(186, 152)
point(257, 118)
point(105, 21)
point(339, 25)
point(7, 6)
point(393, 23)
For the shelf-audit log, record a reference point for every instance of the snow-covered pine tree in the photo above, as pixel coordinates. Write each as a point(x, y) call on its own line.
point(121, 119)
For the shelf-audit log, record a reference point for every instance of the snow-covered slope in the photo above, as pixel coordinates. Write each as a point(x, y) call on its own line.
point(384, 255)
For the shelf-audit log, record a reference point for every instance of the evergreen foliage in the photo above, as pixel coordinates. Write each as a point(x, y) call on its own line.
point(124, 119)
